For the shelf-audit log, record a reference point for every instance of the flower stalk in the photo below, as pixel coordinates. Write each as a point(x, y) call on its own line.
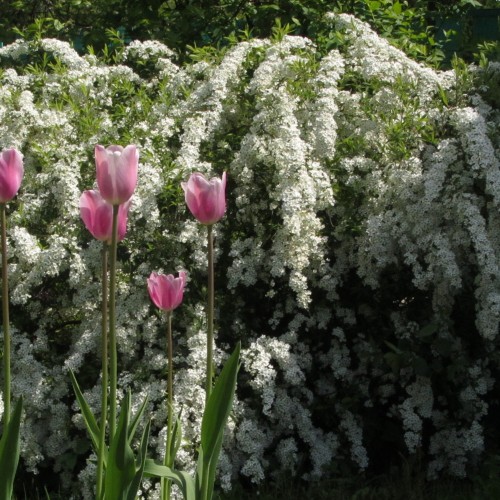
point(168, 459)
point(167, 292)
point(113, 363)
point(210, 312)
point(206, 200)
point(5, 312)
point(104, 376)
point(11, 174)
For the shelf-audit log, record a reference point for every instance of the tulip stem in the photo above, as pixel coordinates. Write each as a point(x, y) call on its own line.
point(104, 376)
point(5, 312)
point(210, 313)
point(168, 459)
point(113, 368)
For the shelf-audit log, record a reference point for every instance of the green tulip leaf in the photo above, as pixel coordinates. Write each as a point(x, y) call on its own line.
point(175, 443)
point(88, 416)
point(212, 468)
point(182, 479)
point(9, 451)
point(214, 420)
point(219, 403)
point(120, 470)
point(135, 420)
point(141, 462)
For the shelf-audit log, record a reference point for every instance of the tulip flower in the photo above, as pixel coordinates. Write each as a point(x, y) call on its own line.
point(166, 291)
point(11, 174)
point(206, 199)
point(97, 215)
point(116, 169)
point(207, 202)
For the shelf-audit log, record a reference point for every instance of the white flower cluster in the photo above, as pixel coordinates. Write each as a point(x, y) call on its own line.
point(451, 447)
point(417, 407)
point(208, 104)
point(299, 186)
point(374, 58)
point(354, 434)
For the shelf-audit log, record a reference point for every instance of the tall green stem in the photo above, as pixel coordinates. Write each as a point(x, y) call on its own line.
point(168, 459)
point(104, 376)
point(113, 364)
point(5, 312)
point(210, 313)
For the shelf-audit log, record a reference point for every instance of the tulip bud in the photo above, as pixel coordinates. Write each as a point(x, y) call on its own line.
point(116, 169)
point(166, 291)
point(206, 199)
point(97, 215)
point(11, 174)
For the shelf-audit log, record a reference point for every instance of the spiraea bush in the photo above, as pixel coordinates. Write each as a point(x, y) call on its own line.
point(357, 262)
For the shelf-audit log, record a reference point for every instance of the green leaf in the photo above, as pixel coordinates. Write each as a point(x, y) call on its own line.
point(271, 6)
point(373, 5)
point(120, 470)
point(88, 416)
point(428, 330)
point(396, 8)
point(175, 443)
point(9, 452)
point(393, 360)
point(214, 419)
point(135, 421)
point(182, 479)
point(219, 403)
point(393, 347)
point(141, 462)
point(212, 469)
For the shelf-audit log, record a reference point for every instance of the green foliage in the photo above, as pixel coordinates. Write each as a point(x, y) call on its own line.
point(487, 80)
point(9, 451)
point(412, 25)
point(88, 416)
point(214, 421)
point(124, 471)
point(217, 410)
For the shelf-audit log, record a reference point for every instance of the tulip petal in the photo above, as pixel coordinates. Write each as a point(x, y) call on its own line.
point(205, 199)
point(116, 169)
point(122, 219)
point(165, 291)
point(11, 174)
point(97, 215)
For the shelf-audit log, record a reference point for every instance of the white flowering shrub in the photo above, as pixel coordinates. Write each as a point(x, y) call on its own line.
point(357, 261)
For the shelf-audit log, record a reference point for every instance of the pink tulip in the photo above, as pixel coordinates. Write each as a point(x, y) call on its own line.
point(206, 199)
point(97, 214)
point(11, 174)
point(166, 291)
point(116, 172)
